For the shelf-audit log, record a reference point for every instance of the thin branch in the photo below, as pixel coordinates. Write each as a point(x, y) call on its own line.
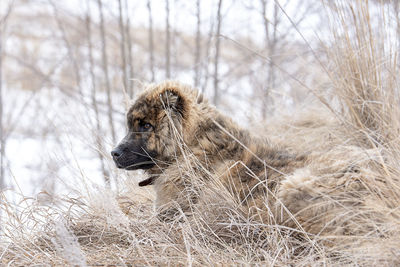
point(3, 24)
point(69, 48)
point(123, 49)
point(129, 50)
point(198, 46)
point(216, 60)
point(105, 70)
point(99, 143)
point(151, 41)
point(167, 42)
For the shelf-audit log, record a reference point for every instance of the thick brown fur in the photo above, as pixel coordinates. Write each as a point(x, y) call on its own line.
point(191, 138)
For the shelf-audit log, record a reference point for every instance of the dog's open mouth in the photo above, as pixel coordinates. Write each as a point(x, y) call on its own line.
point(139, 165)
point(127, 159)
point(130, 165)
point(148, 181)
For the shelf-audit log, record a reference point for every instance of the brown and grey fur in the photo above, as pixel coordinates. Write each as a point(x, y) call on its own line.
point(187, 130)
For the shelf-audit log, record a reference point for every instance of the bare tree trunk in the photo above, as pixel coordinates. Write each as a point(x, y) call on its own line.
point(207, 52)
point(198, 46)
point(3, 137)
point(75, 65)
point(99, 143)
point(167, 42)
point(265, 91)
point(396, 10)
point(151, 41)
point(272, 48)
point(271, 41)
point(105, 70)
point(123, 50)
point(216, 61)
point(265, 19)
point(129, 49)
point(173, 39)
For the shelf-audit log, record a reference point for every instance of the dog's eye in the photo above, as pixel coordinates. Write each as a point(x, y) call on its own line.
point(145, 126)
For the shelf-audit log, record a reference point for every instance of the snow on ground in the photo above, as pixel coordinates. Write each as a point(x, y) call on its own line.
point(52, 143)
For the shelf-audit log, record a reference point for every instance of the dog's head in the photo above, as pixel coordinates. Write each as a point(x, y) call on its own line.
point(155, 123)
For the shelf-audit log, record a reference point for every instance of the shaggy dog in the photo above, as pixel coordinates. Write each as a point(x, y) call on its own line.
point(171, 125)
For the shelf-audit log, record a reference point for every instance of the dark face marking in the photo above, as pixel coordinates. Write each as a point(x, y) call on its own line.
point(134, 151)
point(150, 138)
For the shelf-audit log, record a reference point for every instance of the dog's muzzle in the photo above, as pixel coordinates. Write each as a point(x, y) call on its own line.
point(131, 157)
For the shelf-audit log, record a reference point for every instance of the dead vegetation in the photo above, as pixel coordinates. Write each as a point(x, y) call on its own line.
point(353, 140)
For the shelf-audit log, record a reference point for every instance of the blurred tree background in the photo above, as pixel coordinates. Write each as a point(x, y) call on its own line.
point(69, 68)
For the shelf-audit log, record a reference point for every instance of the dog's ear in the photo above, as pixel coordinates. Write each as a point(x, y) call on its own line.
point(172, 99)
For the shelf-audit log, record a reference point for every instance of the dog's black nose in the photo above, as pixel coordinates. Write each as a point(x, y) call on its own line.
point(116, 152)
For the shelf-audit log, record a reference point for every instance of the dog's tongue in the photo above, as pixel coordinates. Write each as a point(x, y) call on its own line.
point(148, 181)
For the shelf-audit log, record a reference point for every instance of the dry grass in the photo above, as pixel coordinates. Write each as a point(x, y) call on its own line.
point(360, 130)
